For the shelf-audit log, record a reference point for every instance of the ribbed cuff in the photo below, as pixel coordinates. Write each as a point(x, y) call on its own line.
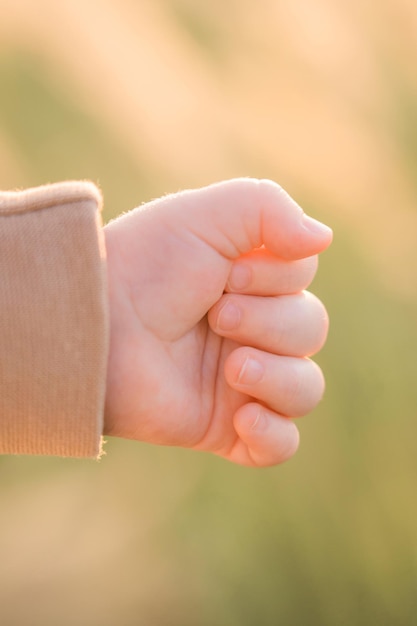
point(53, 321)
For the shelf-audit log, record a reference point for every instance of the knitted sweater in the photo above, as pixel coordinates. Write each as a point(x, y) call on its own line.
point(53, 321)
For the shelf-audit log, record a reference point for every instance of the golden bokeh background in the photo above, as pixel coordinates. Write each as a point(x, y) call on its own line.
point(149, 96)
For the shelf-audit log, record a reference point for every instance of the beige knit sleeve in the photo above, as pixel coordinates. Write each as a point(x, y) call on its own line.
point(53, 321)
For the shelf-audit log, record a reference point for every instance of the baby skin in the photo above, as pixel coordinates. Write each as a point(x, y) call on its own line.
point(211, 328)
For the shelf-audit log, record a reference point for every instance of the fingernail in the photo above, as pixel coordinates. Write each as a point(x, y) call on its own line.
point(314, 226)
point(228, 317)
point(260, 422)
point(239, 277)
point(251, 372)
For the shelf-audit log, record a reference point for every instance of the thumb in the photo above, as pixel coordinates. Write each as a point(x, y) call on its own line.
point(176, 252)
point(239, 215)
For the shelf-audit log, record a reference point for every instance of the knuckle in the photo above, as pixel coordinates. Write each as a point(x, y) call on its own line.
point(319, 322)
point(305, 387)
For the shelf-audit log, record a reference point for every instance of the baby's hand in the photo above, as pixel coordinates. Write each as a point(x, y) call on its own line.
point(210, 326)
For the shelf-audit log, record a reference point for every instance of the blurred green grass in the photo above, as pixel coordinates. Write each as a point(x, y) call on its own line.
point(55, 139)
point(172, 538)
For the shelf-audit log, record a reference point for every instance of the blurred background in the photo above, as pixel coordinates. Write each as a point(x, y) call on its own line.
point(149, 96)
